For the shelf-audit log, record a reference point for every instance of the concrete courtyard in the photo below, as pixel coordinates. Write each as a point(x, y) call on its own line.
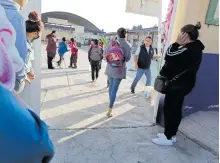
point(74, 108)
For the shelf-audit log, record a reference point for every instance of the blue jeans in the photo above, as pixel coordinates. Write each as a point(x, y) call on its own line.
point(140, 73)
point(113, 89)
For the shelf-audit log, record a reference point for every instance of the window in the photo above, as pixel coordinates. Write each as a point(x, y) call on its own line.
point(212, 17)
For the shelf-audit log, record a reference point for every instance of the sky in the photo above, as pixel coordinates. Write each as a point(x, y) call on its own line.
point(105, 14)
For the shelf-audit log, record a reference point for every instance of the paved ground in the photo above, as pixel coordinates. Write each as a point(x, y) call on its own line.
point(74, 109)
point(203, 127)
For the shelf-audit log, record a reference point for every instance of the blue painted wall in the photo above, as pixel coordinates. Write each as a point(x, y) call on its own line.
point(205, 95)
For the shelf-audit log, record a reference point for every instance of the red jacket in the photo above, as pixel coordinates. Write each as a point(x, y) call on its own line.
point(74, 49)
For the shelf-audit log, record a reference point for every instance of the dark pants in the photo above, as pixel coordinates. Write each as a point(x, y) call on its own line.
point(95, 69)
point(61, 60)
point(100, 65)
point(172, 113)
point(108, 82)
point(49, 62)
point(73, 60)
point(50, 57)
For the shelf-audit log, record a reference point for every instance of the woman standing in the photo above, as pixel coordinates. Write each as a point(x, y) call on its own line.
point(51, 48)
point(183, 60)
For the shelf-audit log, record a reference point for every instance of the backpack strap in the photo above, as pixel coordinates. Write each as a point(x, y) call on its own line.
point(115, 42)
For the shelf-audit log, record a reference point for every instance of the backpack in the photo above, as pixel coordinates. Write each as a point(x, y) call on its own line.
point(115, 55)
point(96, 54)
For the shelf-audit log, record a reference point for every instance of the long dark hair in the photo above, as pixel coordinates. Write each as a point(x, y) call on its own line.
point(34, 24)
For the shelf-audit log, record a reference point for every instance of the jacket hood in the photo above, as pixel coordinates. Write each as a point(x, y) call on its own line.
point(9, 4)
point(196, 45)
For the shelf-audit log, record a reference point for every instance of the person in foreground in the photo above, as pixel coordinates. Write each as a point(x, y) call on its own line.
point(13, 14)
point(24, 137)
point(117, 54)
point(182, 62)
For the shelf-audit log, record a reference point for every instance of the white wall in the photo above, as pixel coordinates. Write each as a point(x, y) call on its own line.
point(78, 29)
point(31, 94)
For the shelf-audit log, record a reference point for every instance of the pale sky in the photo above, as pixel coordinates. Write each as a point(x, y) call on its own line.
point(105, 14)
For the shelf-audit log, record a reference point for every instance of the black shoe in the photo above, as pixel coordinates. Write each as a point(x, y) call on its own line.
point(74, 67)
point(132, 91)
point(70, 66)
point(51, 68)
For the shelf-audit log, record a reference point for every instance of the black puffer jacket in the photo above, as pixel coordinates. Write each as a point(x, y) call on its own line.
point(180, 58)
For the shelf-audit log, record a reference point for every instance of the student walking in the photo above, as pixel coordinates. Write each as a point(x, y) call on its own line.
point(183, 60)
point(95, 56)
point(142, 60)
point(62, 49)
point(74, 53)
point(117, 54)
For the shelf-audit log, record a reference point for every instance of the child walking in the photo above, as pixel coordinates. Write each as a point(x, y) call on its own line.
point(74, 53)
point(62, 49)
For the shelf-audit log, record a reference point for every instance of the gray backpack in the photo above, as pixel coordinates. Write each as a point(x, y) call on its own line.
point(96, 54)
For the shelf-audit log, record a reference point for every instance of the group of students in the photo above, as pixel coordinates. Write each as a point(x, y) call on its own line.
point(62, 49)
point(177, 76)
point(24, 136)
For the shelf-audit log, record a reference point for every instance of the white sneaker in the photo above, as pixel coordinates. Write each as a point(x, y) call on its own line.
point(162, 141)
point(162, 135)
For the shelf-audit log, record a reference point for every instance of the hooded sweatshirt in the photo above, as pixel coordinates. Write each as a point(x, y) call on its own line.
point(24, 136)
point(8, 37)
point(62, 48)
point(17, 21)
point(74, 49)
point(181, 58)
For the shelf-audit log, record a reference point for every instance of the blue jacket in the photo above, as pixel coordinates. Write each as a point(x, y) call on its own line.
point(23, 136)
point(62, 49)
point(16, 19)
